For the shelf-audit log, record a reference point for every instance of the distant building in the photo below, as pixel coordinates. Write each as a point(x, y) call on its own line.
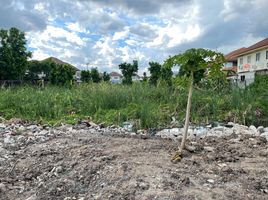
point(116, 77)
point(253, 60)
point(136, 78)
point(242, 64)
point(77, 76)
point(230, 65)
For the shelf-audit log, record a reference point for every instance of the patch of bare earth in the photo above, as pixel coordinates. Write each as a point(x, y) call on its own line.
point(92, 166)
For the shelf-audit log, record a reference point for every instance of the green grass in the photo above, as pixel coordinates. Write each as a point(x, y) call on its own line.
point(150, 107)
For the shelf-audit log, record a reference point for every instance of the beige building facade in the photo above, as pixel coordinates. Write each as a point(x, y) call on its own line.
point(253, 60)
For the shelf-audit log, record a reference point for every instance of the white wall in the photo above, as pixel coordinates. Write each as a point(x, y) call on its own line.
point(253, 65)
point(249, 77)
point(115, 79)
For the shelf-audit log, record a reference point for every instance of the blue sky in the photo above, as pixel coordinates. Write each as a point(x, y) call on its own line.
point(105, 33)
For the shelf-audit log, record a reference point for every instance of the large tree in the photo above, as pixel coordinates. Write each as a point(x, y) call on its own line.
point(166, 75)
point(106, 77)
point(13, 54)
point(128, 70)
point(35, 68)
point(61, 74)
point(85, 76)
point(155, 71)
point(95, 75)
point(193, 61)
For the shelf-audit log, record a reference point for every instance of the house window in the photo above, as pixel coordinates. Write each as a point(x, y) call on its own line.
point(242, 78)
point(266, 54)
point(241, 61)
point(258, 57)
point(249, 59)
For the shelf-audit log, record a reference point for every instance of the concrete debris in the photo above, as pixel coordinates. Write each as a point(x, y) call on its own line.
point(90, 161)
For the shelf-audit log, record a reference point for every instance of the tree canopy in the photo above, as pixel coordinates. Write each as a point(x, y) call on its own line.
point(128, 70)
point(61, 74)
point(197, 61)
point(13, 54)
point(106, 77)
point(155, 71)
point(85, 76)
point(95, 75)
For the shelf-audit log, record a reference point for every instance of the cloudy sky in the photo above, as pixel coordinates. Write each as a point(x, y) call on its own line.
point(105, 33)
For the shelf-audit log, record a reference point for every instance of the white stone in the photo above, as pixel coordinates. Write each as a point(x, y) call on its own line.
point(8, 140)
point(2, 126)
point(253, 128)
point(260, 129)
point(200, 131)
point(33, 197)
point(32, 127)
point(3, 151)
point(209, 149)
point(265, 134)
point(239, 129)
point(2, 187)
point(248, 132)
point(218, 128)
point(210, 181)
point(169, 133)
point(228, 131)
point(43, 133)
point(215, 133)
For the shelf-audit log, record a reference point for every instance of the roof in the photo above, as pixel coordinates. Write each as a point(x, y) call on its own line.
point(115, 74)
point(257, 46)
point(60, 62)
point(232, 56)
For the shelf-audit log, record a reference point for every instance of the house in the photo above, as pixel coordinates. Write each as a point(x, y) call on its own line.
point(136, 78)
point(77, 76)
point(254, 60)
point(116, 77)
point(230, 65)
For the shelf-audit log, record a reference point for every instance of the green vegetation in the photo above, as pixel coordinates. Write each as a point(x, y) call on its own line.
point(155, 71)
point(128, 70)
point(13, 54)
point(149, 106)
point(151, 103)
point(191, 63)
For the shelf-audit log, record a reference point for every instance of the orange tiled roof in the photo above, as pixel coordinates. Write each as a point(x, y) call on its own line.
point(232, 56)
point(258, 45)
point(115, 74)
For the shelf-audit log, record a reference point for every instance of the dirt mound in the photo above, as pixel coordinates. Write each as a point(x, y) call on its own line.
point(89, 165)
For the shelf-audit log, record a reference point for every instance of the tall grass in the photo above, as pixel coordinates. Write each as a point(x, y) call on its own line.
point(113, 104)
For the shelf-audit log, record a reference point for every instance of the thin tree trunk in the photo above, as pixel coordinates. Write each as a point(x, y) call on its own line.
point(188, 109)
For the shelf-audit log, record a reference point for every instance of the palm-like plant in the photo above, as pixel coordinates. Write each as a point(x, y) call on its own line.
point(192, 62)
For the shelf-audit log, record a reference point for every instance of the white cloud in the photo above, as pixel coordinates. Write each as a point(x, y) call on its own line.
point(105, 33)
point(76, 27)
point(121, 34)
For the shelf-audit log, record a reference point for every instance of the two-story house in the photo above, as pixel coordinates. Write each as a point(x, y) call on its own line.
point(253, 60)
point(115, 77)
point(230, 65)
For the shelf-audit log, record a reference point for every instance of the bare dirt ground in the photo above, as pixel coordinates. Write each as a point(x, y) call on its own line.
point(94, 166)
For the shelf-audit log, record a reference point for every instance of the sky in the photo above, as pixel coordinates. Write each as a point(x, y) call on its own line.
point(105, 33)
